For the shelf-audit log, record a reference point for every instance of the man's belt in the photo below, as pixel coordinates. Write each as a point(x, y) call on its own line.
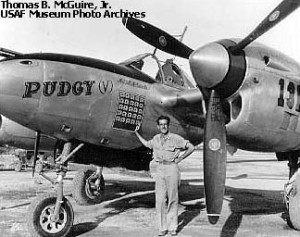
point(165, 162)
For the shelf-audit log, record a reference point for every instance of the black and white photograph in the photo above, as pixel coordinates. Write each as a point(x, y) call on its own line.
point(149, 118)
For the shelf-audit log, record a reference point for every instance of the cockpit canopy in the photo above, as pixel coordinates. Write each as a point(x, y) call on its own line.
point(168, 73)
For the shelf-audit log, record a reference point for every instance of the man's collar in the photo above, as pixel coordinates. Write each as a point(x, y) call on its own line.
point(165, 136)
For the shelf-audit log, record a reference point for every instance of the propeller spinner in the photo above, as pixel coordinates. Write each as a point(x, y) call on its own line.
point(211, 66)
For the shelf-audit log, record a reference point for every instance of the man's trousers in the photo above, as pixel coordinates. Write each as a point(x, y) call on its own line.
point(167, 180)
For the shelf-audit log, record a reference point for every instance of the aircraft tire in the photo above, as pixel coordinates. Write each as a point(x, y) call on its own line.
point(38, 217)
point(294, 205)
point(18, 166)
point(83, 192)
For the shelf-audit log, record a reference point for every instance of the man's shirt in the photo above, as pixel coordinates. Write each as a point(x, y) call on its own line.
point(166, 147)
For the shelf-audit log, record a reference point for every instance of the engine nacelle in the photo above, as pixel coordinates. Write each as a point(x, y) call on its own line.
point(264, 112)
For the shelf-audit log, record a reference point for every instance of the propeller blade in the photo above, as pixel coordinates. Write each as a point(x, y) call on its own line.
point(285, 8)
point(214, 158)
point(157, 37)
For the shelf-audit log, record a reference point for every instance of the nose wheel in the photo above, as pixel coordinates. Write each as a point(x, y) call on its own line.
point(41, 220)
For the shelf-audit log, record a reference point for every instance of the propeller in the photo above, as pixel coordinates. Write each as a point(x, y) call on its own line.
point(216, 67)
point(214, 157)
point(279, 13)
point(167, 43)
point(157, 37)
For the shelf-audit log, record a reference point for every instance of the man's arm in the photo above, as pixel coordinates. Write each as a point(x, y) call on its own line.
point(188, 151)
point(142, 140)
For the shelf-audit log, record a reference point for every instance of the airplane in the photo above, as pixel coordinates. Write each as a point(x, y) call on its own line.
point(95, 106)
point(23, 139)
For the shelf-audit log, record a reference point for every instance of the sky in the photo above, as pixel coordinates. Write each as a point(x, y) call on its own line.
point(108, 39)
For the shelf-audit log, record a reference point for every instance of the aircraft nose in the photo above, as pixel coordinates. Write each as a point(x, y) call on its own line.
point(209, 65)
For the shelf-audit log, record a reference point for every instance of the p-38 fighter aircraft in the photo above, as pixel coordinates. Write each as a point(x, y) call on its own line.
point(250, 93)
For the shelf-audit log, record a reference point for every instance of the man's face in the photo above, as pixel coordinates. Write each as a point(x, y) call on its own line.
point(163, 126)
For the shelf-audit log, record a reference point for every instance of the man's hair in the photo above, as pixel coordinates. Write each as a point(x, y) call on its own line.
point(163, 117)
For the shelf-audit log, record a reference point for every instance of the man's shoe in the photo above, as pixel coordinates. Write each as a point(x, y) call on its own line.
point(173, 233)
point(162, 233)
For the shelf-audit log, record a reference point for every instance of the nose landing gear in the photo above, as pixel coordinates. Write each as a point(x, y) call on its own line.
point(51, 215)
point(41, 219)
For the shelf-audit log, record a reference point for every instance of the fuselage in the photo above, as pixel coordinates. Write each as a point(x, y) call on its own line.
point(101, 103)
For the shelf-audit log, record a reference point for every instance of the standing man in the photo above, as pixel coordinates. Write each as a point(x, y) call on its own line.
point(166, 148)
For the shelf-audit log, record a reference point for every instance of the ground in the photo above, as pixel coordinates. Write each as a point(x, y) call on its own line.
point(253, 203)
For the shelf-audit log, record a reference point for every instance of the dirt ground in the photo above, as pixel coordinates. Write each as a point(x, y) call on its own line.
point(253, 203)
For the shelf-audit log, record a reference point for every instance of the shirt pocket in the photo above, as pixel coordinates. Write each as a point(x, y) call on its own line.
point(170, 148)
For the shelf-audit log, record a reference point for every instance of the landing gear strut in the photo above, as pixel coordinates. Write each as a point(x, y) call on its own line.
point(292, 192)
point(52, 214)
